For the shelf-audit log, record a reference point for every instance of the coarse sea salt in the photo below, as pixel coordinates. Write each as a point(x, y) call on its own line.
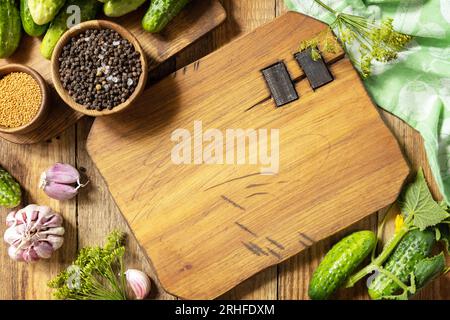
point(116, 43)
point(130, 82)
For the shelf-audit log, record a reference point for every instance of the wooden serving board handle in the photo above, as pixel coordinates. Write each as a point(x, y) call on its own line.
point(206, 228)
point(199, 18)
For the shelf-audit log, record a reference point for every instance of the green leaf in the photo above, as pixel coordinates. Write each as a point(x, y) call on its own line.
point(443, 205)
point(418, 202)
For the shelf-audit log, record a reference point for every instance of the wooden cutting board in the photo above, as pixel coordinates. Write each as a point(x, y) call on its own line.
point(206, 228)
point(199, 17)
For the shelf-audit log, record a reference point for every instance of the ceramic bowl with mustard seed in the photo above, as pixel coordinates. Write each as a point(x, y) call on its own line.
point(24, 99)
point(99, 68)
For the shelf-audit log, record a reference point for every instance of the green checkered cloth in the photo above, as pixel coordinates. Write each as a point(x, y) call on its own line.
point(415, 87)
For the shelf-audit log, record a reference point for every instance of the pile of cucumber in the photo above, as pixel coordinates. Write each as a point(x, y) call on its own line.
point(50, 17)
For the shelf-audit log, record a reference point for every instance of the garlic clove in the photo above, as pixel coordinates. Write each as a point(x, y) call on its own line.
point(30, 255)
point(139, 283)
point(55, 241)
point(60, 191)
point(52, 221)
point(15, 254)
point(13, 236)
point(11, 219)
point(43, 250)
point(61, 173)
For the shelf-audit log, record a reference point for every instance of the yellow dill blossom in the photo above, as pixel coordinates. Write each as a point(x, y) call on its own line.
point(376, 41)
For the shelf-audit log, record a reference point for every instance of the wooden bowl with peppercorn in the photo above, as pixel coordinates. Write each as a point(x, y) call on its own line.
point(24, 99)
point(99, 68)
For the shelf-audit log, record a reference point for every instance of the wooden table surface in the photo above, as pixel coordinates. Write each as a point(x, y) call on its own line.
point(94, 214)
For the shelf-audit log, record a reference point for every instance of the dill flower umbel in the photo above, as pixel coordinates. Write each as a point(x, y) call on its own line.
point(375, 41)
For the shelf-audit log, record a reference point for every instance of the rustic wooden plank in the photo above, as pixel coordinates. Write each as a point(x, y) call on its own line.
point(19, 280)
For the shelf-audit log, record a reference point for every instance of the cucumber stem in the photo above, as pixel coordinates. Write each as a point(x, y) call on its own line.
point(377, 263)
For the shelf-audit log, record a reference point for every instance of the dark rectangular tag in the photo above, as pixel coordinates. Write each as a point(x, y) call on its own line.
point(316, 71)
point(280, 84)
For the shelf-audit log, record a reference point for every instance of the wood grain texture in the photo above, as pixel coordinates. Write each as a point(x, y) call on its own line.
point(196, 20)
point(29, 281)
point(92, 217)
point(237, 221)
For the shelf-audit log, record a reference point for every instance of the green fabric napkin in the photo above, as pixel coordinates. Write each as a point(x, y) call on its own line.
point(415, 87)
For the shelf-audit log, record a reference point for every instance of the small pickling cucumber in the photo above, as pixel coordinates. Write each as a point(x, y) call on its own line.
point(88, 11)
point(29, 26)
point(10, 192)
point(44, 11)
point(10, 28)
point(339, 263)
point(413, 248)
point(118, 8)
point(160, 13)
point(429, 269)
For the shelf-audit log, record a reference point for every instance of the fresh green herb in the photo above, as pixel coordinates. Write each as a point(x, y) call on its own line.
point(96, 274)
point(379, 42)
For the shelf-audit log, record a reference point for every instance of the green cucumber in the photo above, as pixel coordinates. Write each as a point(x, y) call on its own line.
point(160, 13)
point(118, 8)
point(429, 269)
point(413, 248)
point(10, 193)
point(29, 26)
point(339, 263)
point(10, 28)
point(88, 10)
point(44, 11)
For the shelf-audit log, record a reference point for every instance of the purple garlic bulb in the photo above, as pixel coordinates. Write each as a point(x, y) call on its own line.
point(33, 233)
point(61, 181)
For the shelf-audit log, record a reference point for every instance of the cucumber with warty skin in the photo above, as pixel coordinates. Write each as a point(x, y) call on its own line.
point(10, 192)
point(413, 248)
point(339, 263)
point(429, 269)
point(44, 11)
point(118, 8)
point(29, 26)
point(10, 28)
point(160, 13)
point(88, 10)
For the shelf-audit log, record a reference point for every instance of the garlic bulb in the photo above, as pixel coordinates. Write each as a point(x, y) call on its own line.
point(61, 181)
point(139, 283)
point(33, 233)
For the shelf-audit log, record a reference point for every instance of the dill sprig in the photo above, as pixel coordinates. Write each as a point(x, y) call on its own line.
point(376, 41)
point(96, 274)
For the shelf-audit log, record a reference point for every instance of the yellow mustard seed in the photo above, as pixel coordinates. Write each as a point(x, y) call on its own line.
point(20, 99)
